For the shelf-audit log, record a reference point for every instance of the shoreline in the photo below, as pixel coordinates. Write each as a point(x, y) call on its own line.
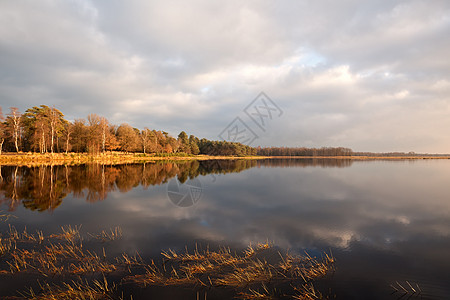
point(124, 158)
point(26, 159)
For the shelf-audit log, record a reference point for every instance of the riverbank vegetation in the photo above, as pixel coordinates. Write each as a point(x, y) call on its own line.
point(43, 129)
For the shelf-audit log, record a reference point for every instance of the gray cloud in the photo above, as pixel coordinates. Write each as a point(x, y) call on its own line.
point(371, 76)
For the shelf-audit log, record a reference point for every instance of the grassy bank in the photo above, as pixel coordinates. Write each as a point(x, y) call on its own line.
point(30, 158)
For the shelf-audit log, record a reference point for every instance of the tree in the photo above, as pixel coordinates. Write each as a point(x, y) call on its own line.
point(111, 140)
point(128, 138)
point(56, 120)
point(183, 142)
point(104, 131)
point(2, 131)
point(194, 148)
point(15, 118)
point(160, 141)
point(94, 133)
point(79, 135)
point(193, 144)
point(146, 137)
point(68, 129)
point(152, 142)
point(36, 128)
point(43, 126)
point(172, 145)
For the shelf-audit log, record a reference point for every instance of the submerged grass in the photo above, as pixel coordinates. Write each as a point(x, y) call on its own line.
point(248, 273)
point(111, 235)
point(70, 271)
point(99, 289)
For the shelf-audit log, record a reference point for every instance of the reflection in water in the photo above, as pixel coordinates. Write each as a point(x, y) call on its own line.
point(44, 187)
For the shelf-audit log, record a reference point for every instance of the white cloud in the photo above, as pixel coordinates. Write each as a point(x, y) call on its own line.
point(372, 76)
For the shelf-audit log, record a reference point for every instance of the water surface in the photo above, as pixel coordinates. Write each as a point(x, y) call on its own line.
point(384, 221)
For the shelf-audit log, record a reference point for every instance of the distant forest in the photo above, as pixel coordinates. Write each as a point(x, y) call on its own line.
point(301, 151)
point(43, 129)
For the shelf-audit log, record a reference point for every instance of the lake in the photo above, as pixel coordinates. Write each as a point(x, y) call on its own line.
point(386, 222)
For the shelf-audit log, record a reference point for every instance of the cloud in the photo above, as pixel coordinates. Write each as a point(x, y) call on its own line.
point(371, 76)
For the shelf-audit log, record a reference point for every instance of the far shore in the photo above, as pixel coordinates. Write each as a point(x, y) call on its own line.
point(358, 157)
point(28, 158)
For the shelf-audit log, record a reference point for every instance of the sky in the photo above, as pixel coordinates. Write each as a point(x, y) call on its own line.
point(368, 75)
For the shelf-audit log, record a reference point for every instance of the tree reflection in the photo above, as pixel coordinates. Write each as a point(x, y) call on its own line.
point(43, 188)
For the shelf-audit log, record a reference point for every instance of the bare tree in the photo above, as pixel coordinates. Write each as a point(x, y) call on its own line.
point(41, 131)
point(56, 121)
point(53, 123)
point(68, 131)
point(104, 130)
point(15, 120)
point(2, 131)
point(144, 136)
point(94, 133)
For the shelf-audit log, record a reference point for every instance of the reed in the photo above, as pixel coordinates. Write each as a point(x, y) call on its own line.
point(5, 217)
point(62, 258)
point(249, 275)
point(111, 235)
point(408, 288)
point(251, 294)
point(307, 292)
point(68, 233)
point(82, 290)
point(5, 246)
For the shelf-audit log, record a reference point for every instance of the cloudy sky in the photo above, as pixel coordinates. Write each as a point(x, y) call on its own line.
point(369, 75)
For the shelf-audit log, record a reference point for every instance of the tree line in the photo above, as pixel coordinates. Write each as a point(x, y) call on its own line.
point(44, 129)
point(304, 162)
point(302, 151)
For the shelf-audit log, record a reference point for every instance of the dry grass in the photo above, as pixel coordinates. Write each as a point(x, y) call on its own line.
point(307, 292)
point(63, 257)
point(5, 217)
point(5, 246)
point(251, 294)
point(55, 254)
point(68, 233)
point(98, 289)
point(111, 235)
point(249, 275)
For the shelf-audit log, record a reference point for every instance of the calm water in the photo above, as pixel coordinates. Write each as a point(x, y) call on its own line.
point(384, 221)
